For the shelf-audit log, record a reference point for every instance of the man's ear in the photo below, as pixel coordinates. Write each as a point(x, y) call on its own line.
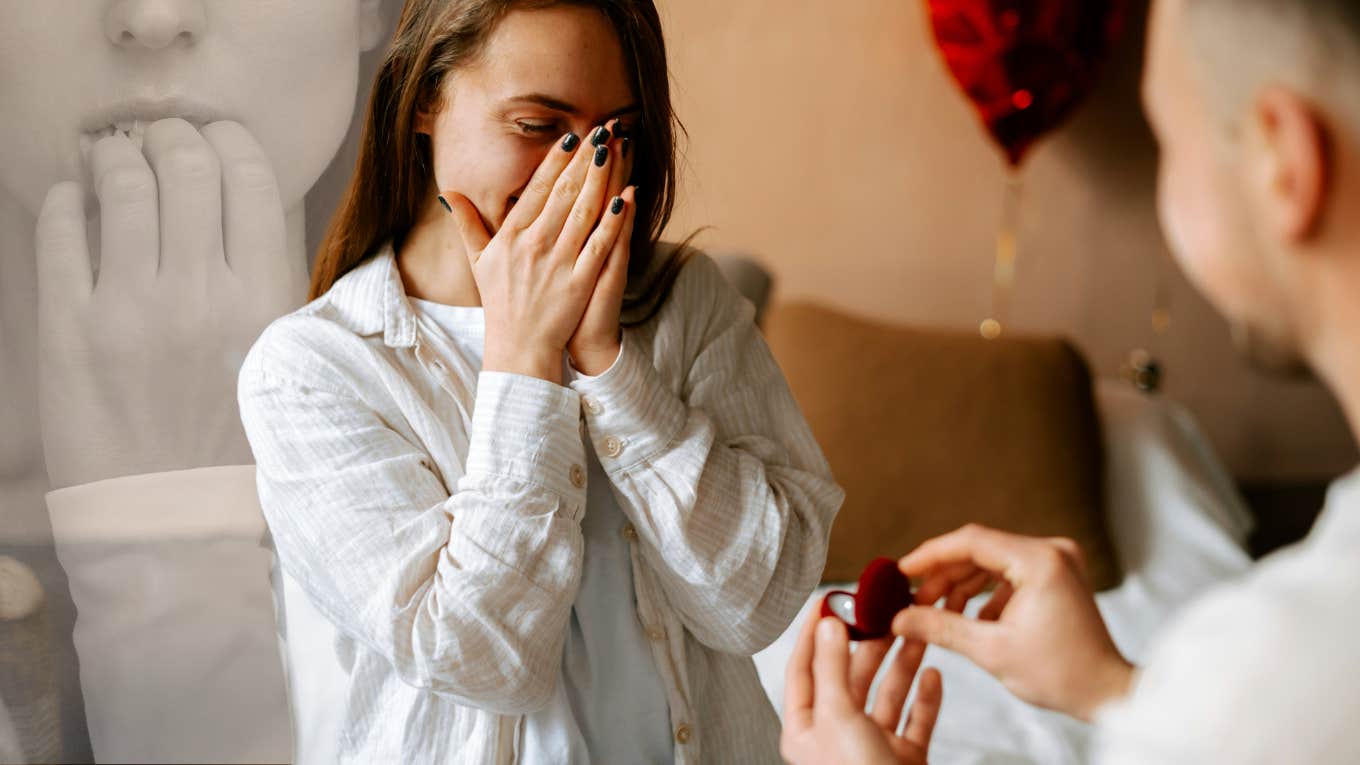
point(371, 26)
point(1294, 163)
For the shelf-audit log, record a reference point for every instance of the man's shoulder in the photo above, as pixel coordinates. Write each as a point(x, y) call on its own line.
point(1263, 668)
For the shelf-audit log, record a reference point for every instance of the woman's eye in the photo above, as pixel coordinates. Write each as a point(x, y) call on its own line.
point(537, 128)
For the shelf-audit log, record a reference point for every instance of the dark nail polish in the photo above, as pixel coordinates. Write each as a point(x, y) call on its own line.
point(601, 155)
point(600, 135)
point(626, 145)
point(616, 206)
point(445, 202)
point(571, 142)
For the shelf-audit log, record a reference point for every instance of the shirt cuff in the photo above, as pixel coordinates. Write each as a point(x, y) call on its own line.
point(529, 430)
point(181, 504)
point(631, 414)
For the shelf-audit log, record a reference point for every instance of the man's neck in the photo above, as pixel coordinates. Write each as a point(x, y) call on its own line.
point(1334, 352)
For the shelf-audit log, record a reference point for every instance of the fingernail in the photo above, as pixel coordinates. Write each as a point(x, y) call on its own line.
point(600, 135)
point(826, 630)
point(626, 145)
point(601, 155)
point(571, 142)
point(445, 202)
point(616, 206)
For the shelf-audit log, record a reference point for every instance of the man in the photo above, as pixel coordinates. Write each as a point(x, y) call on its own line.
point(1256, 104)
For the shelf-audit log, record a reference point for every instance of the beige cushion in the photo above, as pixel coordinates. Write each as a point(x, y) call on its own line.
point(930, 430)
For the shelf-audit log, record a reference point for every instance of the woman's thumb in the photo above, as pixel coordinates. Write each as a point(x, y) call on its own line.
point(469, 221)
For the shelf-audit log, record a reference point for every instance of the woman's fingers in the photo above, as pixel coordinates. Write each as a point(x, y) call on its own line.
point(190, 180)
point(620, 168)
point(896, 685)
point(536, 194)
point(615, 273)
point(926, 710)
point(471, 228)
point(585, 212)
point(129, 214)
point(253, 229)
point(558, 203)
point(603, 240)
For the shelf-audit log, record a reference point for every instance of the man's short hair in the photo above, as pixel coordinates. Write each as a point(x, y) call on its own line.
point(1310, 45)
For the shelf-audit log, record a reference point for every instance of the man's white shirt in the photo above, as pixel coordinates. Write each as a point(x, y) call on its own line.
point(1262, 670)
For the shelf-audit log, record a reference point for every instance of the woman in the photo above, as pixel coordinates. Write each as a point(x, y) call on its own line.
point(501, 591)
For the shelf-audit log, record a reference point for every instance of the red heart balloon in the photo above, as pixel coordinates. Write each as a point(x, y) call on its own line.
point(1025, 64)
point(868, 612)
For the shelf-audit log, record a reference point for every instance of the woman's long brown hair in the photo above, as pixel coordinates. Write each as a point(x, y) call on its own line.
point(394, 172)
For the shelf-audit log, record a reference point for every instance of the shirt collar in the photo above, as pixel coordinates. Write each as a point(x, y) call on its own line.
point(371, 298)
point(1340, 518)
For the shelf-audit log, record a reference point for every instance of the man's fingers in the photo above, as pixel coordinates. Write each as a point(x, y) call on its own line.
point(64, 269)
point(997, 551)
point(831, 667)
point(252, 210)
point(926, 711)
point(471, 228)
point(941, 580)
point(1074, 554)
point(129, 214)
point(798, 686)
point(535, 195)
point(965, 590)
point(190, 179)
point(896, 685)
point(997, 603)
point(947, 630)
point(865, 660)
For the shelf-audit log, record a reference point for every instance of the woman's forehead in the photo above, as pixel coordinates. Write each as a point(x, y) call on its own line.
point(568, 52)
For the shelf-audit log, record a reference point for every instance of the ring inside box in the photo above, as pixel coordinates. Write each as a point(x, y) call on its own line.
point(843, 605)
point(868, 612)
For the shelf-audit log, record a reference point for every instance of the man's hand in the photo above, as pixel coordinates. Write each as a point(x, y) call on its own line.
point(1041, 634)
point(825, 692)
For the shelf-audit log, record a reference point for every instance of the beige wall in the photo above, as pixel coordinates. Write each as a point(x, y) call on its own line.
point(827, 138)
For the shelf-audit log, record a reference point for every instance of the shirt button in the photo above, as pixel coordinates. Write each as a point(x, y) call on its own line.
point(578, 477)
point(683, 733)
point(630, 533)
point(592, 406)
point(613, 447)
point(656, 633)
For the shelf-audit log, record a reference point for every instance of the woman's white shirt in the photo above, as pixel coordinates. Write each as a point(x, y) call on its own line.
point(434, 514)
point(611, 706)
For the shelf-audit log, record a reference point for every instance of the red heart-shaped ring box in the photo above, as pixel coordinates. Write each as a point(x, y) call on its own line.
point(868, 612)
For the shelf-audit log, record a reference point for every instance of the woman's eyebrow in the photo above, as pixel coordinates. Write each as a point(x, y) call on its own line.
point(557, 104)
